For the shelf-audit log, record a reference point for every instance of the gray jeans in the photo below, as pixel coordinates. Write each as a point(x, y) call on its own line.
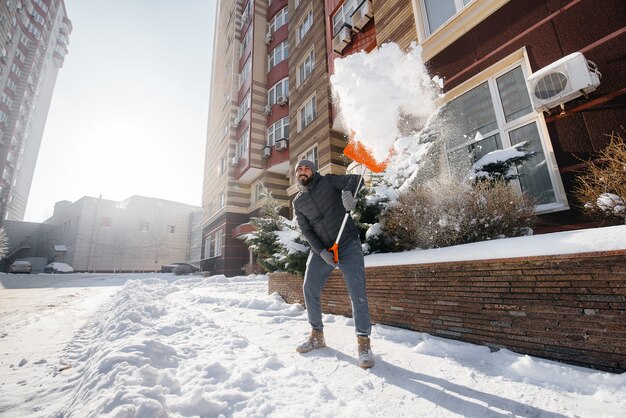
point(352, 267)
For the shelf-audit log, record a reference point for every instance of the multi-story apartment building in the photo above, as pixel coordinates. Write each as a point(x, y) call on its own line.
point(271, 101)
point(34, 35)
point(136, 234)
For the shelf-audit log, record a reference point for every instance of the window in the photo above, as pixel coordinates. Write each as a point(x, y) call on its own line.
point(439, 11)
point(20, 55)
point(226, 100)
point(310, 155)
point(11, 85)
point(244, 107)
point(16, 70)
point(144, 226)
point(32, 29)
point(107, 222)
point(242, 144)
point(3, 116)
point(279, 89)
point(38, 18)
point(207, 246)
point(221, 200)
point(171, 229)
point(219, 238)
point(221, 167)
point(258, 192)
point(304, 26)
point(278, 130)
point(279, 20)
point(278, 54)
point(245, 72)
point(246, 41)
point(307, 113)
point(7, 100)
point(305, 68)
point(343, 15)
point(497, 114)
point(224, 131)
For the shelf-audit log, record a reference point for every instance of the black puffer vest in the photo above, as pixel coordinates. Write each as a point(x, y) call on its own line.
point(319, 210)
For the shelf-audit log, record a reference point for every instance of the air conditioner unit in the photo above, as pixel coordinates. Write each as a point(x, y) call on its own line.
point(282, 100)
point(281, 144)
point(362, 15)
point(234, 161)
point(266, 151)
point(237, 121)
point(268, 38)
point(341, 39)
point(563, 80)
point(267, 109)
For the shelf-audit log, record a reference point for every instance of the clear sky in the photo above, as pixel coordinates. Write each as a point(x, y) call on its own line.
point(130, 107)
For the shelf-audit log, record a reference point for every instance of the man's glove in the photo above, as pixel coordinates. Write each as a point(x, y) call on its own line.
point(348, 200)
point(328, 257)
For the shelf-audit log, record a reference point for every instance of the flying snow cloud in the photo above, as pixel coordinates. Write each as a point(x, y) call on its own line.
point(375, 90)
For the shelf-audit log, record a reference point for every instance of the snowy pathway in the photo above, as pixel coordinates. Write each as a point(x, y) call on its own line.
point(219, 346)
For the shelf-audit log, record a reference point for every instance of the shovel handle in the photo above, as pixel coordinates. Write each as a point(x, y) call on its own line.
point(335, 248)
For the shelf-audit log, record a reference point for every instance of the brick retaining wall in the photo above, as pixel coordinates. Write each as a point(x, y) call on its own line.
point(570, 308)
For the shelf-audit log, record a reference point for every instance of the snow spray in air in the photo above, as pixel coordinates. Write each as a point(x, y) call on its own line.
point(378, 92)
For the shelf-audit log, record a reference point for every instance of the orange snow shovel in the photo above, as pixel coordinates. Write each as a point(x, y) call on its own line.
point(359, 153)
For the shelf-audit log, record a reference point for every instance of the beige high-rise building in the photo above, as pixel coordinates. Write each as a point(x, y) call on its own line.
point(34, 35)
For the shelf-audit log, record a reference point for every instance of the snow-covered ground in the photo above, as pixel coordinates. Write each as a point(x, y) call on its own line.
point(158, 345)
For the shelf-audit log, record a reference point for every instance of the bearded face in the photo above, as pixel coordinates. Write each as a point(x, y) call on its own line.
point(304, 174)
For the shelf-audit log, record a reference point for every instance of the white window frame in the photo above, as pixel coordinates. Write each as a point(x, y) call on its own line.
point(222, 166)
point(310, 154)
point(257, 191)
point(458, 6)
point(278, 54)
point(281, 88)
point(245, 41)
point(343, 15)
point(242, 144)
point(221, 200)
point(490, 75)
point(307, 112)
point(305, 67)
point(245, 106)
point(245, 72)
point(278, 130)
point(279, 20)
point(304, 26)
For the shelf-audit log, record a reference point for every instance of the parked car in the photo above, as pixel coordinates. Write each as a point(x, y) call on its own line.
point(21, 266)
point(169, 268)
point(56, 267)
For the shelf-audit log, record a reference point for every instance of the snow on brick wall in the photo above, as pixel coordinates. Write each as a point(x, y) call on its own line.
point(570, 308)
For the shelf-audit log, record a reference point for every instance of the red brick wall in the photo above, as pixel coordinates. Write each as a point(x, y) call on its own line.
point(570, 308)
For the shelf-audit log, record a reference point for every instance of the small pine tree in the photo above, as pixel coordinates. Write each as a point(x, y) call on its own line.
point(264, 242)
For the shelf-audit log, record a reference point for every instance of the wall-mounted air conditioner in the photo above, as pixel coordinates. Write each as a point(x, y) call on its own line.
point(266, 151)
point(362, 15)
point(282, 100)
point(237, 121)
point(268, 38)
point(267, 109)
point(281, 144)
point(341, 39)
point(234, 161)
point(563, 80)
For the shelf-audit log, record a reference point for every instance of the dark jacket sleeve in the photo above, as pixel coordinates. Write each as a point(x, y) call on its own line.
point(309, 234)
point(346, 182)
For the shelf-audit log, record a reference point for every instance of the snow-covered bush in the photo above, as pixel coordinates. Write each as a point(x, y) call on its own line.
point(276, 242)
point(445, 212)
point(602, 187)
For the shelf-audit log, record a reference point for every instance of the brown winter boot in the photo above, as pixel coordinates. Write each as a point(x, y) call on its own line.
point(366, 357)
point(314, 341)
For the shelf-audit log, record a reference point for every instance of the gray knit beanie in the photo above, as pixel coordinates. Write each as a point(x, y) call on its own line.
point(307, 163)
